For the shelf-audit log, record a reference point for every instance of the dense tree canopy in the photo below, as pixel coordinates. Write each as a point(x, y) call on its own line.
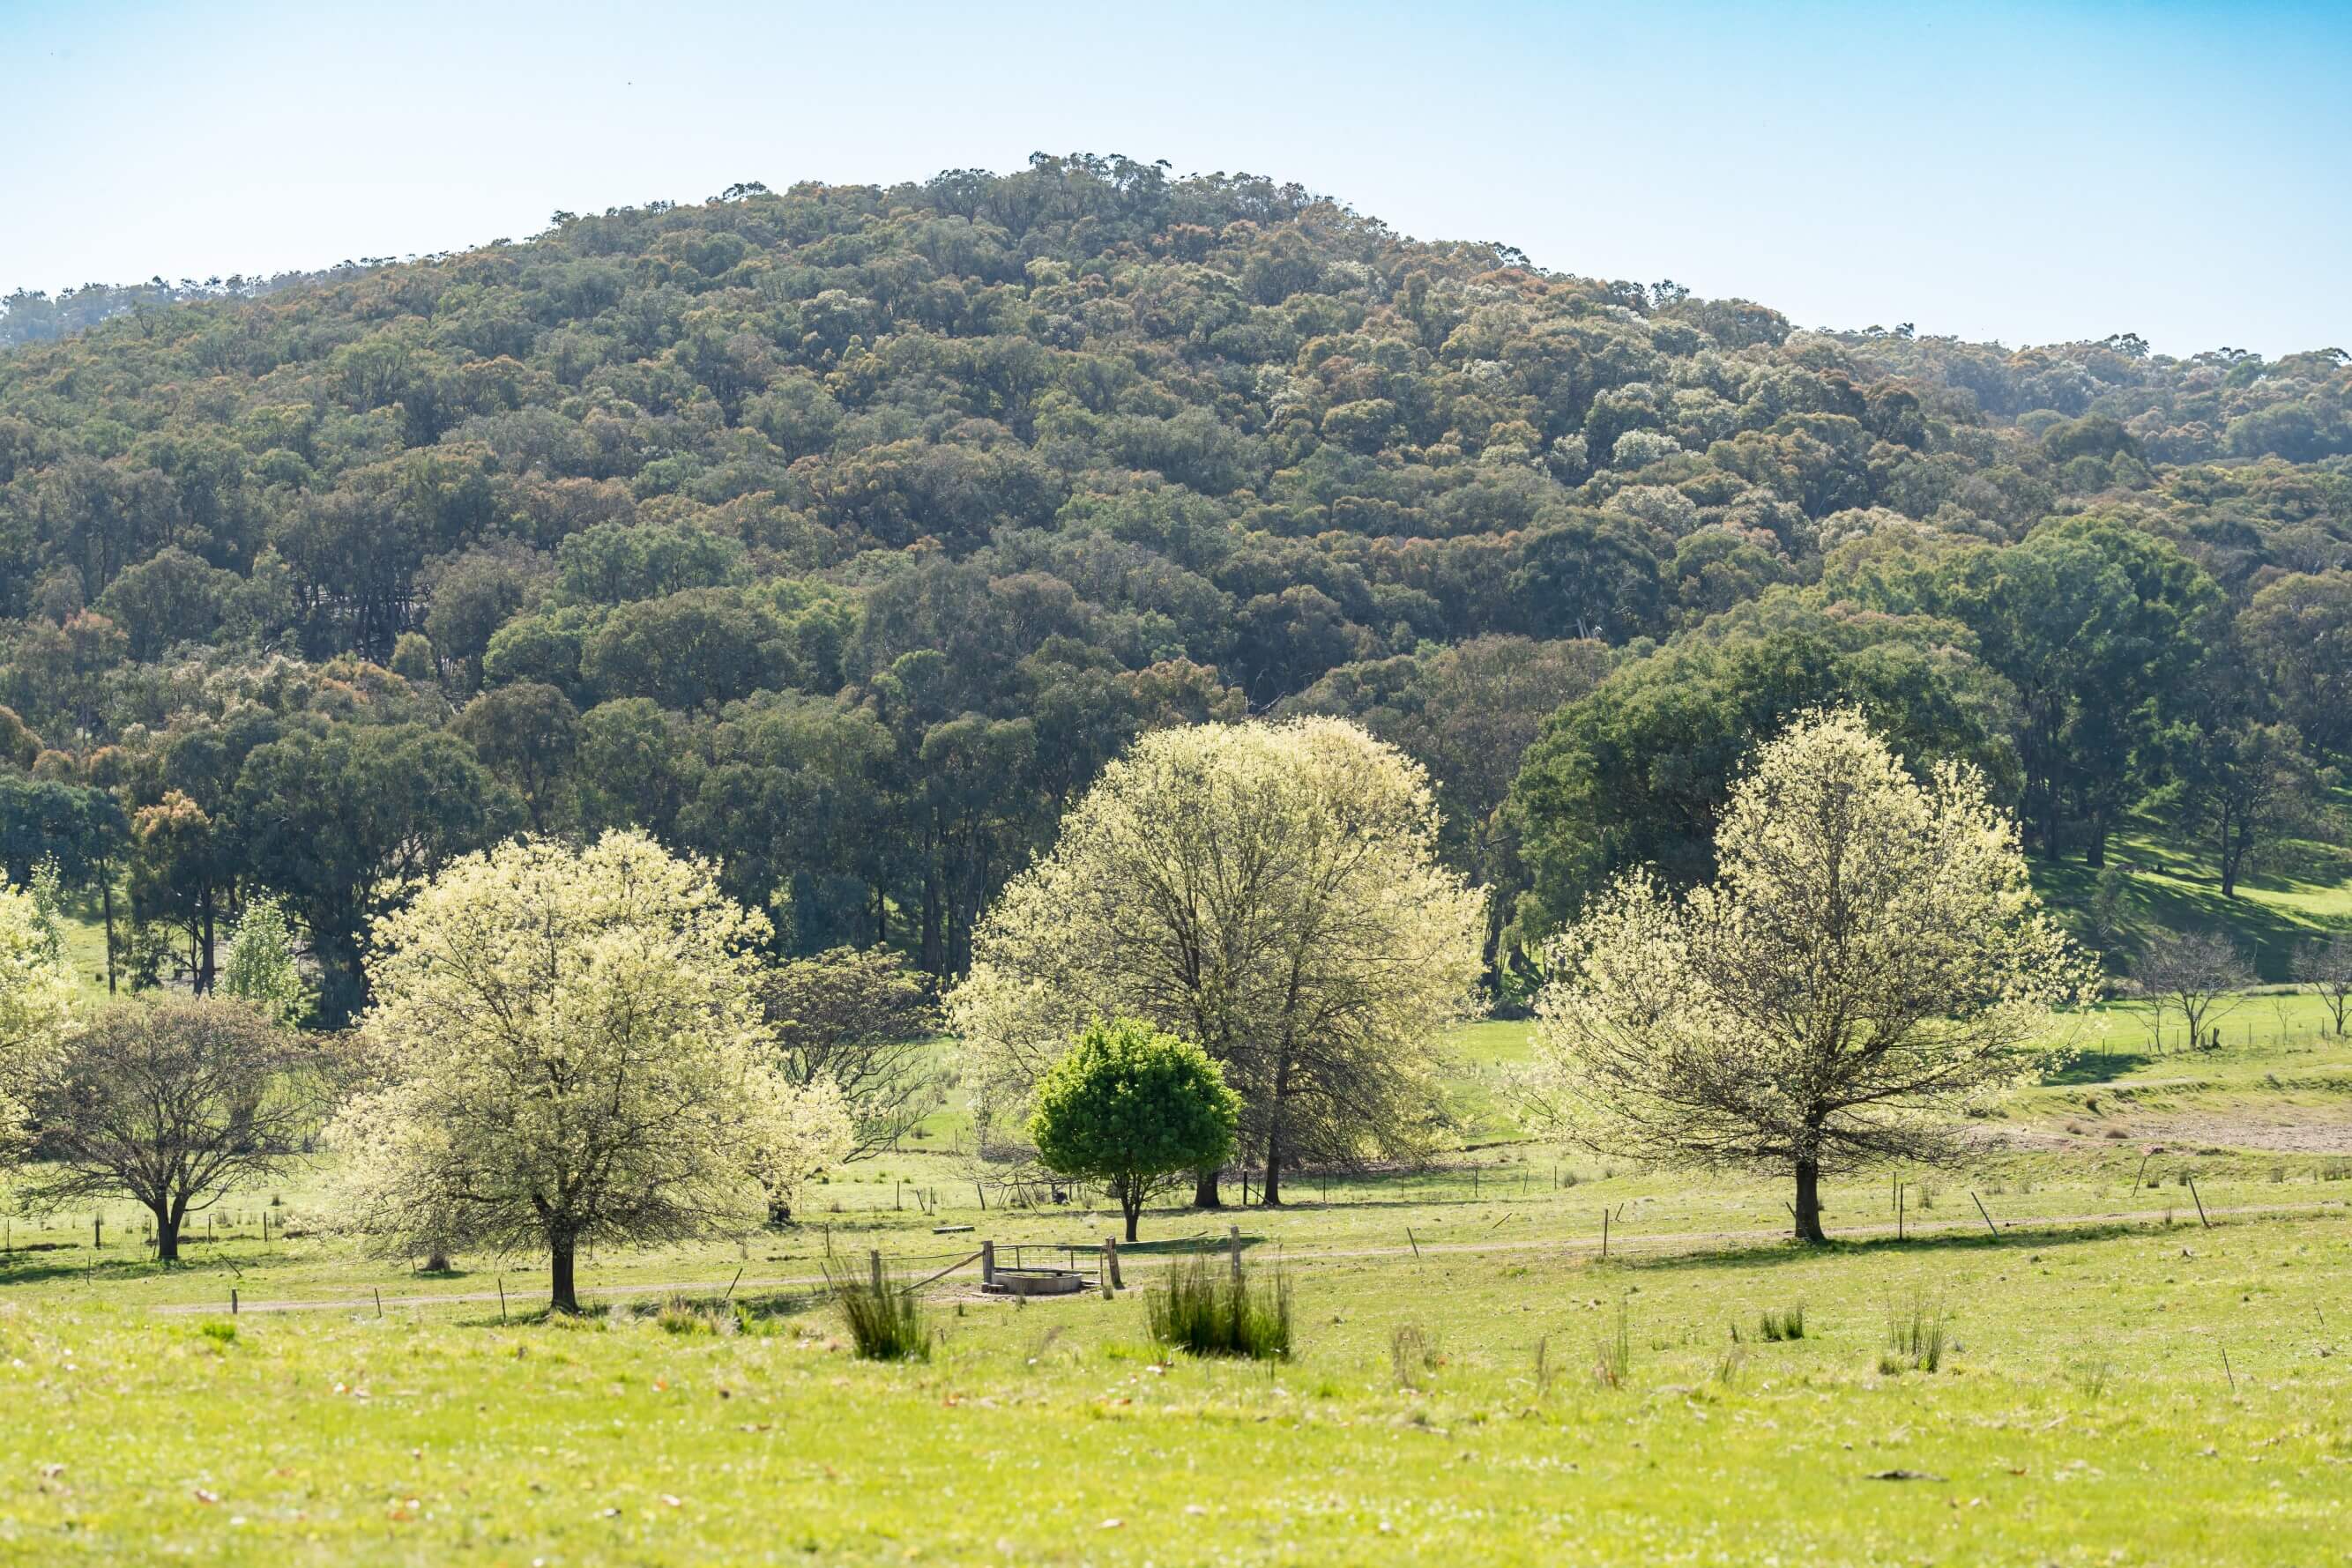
point(843, 533)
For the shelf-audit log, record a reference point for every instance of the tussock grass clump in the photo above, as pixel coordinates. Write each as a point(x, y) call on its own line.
point(2091, 1378)
point(1202, 1309)
point(1917, 1336)
point(684, 1318)
point(1789, 1323)
point(1612, 1354)
point(1411, 1353)
point(886, 1323)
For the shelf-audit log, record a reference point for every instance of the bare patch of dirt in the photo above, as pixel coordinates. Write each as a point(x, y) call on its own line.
point(2186, 1129)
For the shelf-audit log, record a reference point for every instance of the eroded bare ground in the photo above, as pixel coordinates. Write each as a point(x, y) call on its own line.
point(2301, 1134)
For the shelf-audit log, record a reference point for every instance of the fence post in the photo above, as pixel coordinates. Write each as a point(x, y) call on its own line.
point(987, 1264)
point(1234, 1240)
point(231, 1300)
point(1110, 1258)
point(874, 1262)
point(1604, 1234)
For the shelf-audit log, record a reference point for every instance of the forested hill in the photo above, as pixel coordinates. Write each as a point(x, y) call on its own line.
point(842, 533)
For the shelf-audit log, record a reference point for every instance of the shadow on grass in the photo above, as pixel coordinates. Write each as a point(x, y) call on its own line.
point(752, 1312)
point(2097, 1067)
point(1941, 1242)
point(59, 1263)
point(2170, 886)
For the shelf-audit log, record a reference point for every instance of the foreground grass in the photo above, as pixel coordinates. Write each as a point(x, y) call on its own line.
point(2121, 1380)
point(2085, 1414)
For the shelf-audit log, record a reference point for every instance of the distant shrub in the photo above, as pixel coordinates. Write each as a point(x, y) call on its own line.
point(1789, 1323)
point(217, 1330)
point(1202, 1309)
point(886, 1323)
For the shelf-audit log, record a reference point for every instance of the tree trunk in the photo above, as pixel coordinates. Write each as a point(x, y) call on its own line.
point(1131, 1204)
point(562, 1294)
point(167, 1232)
point(934, 959)
point(205, 948)
point(1808, 1201)
point(438, 1263)
point(1270, 1192)
point(1205, 1191)
point(106, 886)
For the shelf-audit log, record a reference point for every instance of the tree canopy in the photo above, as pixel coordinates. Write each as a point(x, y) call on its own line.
point(564, 1049)
point(1868, 963)
point(1270, 891)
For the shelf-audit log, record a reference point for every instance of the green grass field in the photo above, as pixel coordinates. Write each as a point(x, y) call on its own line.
point(1444, 1401)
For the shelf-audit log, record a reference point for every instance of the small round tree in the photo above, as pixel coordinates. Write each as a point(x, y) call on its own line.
point(1128, 1106)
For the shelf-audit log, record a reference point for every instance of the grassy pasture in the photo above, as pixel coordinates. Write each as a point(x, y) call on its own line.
point(1451, 1397)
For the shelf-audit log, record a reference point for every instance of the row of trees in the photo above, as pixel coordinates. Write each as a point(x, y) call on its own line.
point(567, 1045)
point(1244, 940)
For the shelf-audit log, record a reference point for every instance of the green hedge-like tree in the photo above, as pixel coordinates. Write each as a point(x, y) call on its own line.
point(1128, 1106)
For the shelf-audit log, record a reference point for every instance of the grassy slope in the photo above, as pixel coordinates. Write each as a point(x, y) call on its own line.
point(2303, 890)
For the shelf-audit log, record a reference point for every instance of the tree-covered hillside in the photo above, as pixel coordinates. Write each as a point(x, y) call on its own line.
point(842, 533)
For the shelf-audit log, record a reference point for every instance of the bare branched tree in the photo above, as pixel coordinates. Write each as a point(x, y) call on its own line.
point(2326, 967)
point(2201, 974)
point(173, 1104)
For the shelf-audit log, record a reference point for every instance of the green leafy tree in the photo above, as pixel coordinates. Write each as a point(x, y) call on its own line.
point(1129, 1107)
point(2098, 626)
point(2299, 630)
point(1639, 772)
point(341, 824)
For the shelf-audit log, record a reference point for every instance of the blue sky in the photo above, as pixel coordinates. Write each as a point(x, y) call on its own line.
point(2026, 173)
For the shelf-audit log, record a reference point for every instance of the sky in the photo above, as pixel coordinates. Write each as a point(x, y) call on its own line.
point(2022, 173)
